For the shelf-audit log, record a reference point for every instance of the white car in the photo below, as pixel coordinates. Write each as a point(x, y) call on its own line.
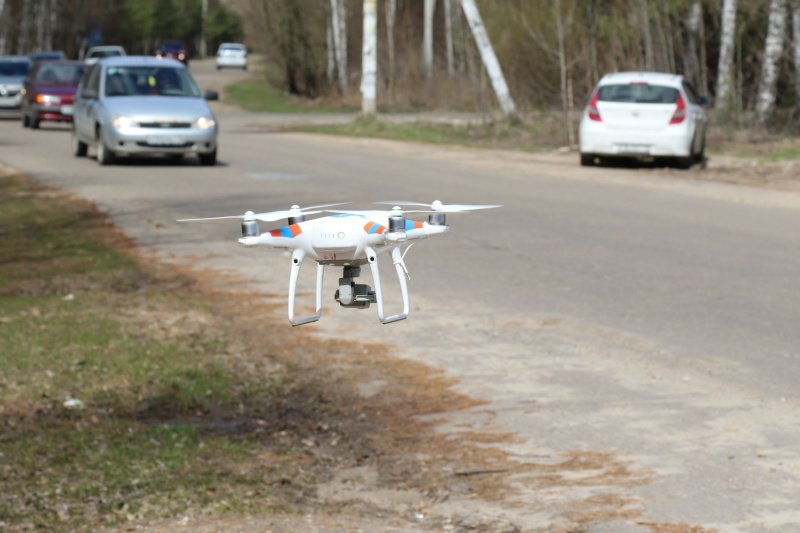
point(96, 53)
point(644, 115)
point(232, 55)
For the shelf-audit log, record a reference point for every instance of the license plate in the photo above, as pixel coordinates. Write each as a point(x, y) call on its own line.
point(66, 110)
point(165, 140)
point(633, 148)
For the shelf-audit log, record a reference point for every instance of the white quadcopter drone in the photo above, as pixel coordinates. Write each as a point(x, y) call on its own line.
point(348, 239)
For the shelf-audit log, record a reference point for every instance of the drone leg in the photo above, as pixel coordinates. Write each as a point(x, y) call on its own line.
point(397, 257)
point(297, 262)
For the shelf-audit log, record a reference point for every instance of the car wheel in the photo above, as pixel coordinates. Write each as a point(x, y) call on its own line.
point(34, 123)
point(25, 120)
point(700, 157)
point(79, 148)
point(209, 159)
point(684, 163)
point(587, 160)
point(104, 155)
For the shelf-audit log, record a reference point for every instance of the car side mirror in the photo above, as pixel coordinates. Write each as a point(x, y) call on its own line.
point(88, 93)
point(704, 101)
point(211, 95)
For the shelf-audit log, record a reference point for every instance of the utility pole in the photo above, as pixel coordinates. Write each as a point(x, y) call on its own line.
point(369, 59)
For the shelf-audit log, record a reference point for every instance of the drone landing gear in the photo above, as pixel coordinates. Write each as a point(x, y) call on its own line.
point(351, 294)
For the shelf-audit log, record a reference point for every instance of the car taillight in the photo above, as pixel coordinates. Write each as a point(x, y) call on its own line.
point(680, 112)
point(591, 109)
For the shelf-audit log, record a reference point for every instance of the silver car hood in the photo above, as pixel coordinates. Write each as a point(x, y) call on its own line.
point(169, 108)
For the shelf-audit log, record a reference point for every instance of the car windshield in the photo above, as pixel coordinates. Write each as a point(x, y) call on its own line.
point(14, 68)
point(58, 73)
point(639, 93)
point(104, 53)
point(172, 47)
point(150, 80)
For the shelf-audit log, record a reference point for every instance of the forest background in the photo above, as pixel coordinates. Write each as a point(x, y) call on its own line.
point(743, 54)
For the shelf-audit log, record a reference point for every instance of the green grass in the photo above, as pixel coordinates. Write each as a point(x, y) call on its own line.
point(254, 94)
point(164, 421)
point(507, 135)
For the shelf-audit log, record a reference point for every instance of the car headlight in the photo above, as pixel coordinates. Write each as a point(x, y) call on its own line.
point(205, 123)
point(123, 121)
point(47, 99)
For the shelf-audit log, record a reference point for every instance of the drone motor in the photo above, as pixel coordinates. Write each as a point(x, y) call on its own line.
point(437, 219)
point(250, 228)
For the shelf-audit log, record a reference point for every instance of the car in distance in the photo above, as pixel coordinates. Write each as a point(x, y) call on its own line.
point(232, 55)
point(49, 91)
point(173, 50)
point(143, 105)
point(13, 71)
point(643, 115)
point(96, 53)
point(46, 56)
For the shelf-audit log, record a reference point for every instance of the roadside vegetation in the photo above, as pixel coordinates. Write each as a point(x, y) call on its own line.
point(123, 394)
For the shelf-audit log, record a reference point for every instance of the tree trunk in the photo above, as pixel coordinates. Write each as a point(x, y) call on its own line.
point(427, 39)
point(448, 34)
point(488, 56)
point(339, 32)
point(369, 64)
point(773, 48)
point(727, 41)
point(795, 7)
point(391, 18)
point(692, 38)
point(4, 23)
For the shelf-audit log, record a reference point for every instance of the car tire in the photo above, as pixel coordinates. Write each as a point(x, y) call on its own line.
point(104, 155)
point(25, 120)
point(209, 159)
point(700, 157)
point(685, 163)
point(587, 160)
point(79, 148)
point(34, 123)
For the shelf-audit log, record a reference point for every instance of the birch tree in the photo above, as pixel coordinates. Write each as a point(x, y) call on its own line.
point(4, 22)
point(338, 28)
point(795, 7)
point(726, 48)
point(390, 8)
point(369, 58)
point(488, 56)
point(773, 48)
point(427, 38)
point(448, 36)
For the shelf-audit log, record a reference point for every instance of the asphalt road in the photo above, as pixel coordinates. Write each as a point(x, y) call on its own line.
point(649, 323)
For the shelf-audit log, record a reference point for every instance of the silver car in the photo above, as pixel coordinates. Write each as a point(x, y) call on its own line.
point(13, 70)
point(143, 105)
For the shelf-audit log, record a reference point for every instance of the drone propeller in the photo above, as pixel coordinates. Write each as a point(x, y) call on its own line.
point(376, 213)
point(439, 207)
point(271, 216)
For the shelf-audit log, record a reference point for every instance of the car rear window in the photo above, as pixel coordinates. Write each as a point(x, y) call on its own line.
point(638, 93)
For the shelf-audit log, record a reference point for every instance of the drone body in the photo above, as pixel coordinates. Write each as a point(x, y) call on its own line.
point(348, 239)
